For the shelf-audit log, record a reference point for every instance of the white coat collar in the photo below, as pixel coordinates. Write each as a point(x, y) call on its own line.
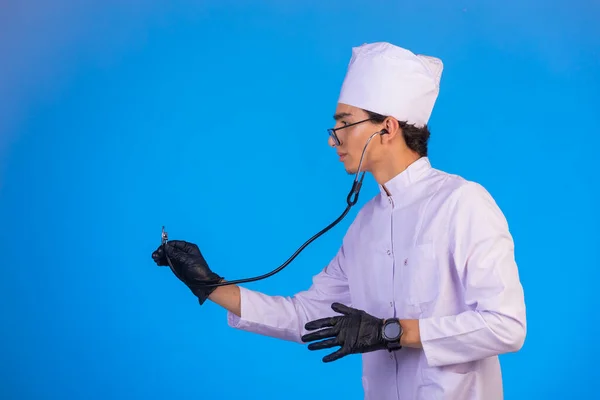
point(397, 185)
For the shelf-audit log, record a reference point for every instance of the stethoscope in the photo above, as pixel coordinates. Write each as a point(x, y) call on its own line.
point(351, 200)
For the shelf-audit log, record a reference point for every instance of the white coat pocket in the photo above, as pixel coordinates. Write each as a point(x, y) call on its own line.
point(420, 277)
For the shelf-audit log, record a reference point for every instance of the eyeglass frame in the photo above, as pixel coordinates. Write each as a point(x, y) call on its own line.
point(332, 131)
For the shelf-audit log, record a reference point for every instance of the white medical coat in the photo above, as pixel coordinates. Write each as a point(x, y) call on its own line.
point(437, 249)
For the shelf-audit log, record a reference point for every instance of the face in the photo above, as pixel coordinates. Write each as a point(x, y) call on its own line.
point(353, 138)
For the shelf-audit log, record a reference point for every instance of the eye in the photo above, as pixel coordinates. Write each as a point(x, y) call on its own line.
point(340, 124)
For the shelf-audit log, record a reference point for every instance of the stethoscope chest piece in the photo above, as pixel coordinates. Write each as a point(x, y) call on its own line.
point(164, 236)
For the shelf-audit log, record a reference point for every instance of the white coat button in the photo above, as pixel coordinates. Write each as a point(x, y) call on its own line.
point(391, 304)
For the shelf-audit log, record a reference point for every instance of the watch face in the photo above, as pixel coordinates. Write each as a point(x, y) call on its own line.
point(392, 330)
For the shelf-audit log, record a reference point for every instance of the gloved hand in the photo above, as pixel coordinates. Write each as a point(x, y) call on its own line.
point(188, 265)
point(355, 331)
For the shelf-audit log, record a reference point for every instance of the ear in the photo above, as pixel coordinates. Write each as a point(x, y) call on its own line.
point(393, 129)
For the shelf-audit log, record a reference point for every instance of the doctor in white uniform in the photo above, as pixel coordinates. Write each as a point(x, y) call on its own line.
point(424, 286)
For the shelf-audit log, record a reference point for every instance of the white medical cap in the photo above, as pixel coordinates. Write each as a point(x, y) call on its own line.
point(392, 81)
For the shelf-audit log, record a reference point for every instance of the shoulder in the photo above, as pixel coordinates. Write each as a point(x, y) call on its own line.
point(460, 202)
point(468, 203)
point(459, 192)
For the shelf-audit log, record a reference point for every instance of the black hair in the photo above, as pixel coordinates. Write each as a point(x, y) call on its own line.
point(416, 138)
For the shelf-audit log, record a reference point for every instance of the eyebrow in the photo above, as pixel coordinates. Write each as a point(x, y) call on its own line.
point(339, 116)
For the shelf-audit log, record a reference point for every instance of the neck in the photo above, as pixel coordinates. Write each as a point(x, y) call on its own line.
point(393, 165)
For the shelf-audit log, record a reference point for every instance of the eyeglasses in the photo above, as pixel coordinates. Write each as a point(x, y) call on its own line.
point(332, 131)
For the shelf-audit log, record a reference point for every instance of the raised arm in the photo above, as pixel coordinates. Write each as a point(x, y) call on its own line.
point(276, 316)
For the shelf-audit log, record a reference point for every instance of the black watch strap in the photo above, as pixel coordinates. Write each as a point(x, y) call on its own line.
point(391, 346)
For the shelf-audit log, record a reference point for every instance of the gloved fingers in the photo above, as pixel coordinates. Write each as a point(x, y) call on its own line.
point(184, 246)
point(179, 256)
point(335, 355)
point(325, 344)
point(159, 257)
point(318, 335)
point(321, 323)
point(343, 309)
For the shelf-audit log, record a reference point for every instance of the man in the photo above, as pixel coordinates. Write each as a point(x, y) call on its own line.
point(425, 285)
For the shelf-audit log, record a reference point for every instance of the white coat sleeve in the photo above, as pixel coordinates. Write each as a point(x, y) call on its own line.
point(483, 252)
point(284, 317)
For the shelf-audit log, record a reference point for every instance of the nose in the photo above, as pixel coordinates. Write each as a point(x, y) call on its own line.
point(331, 142)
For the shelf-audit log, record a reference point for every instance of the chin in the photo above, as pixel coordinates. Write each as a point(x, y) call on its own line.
point(350, 167)
point(351, 170)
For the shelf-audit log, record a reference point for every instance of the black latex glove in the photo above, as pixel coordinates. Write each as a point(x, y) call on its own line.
point(355, 331)
point(188, 265)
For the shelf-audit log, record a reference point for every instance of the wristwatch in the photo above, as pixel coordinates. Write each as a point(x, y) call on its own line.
point(391, 332)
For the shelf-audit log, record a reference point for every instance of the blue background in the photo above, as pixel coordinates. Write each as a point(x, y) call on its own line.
point(117, 117)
